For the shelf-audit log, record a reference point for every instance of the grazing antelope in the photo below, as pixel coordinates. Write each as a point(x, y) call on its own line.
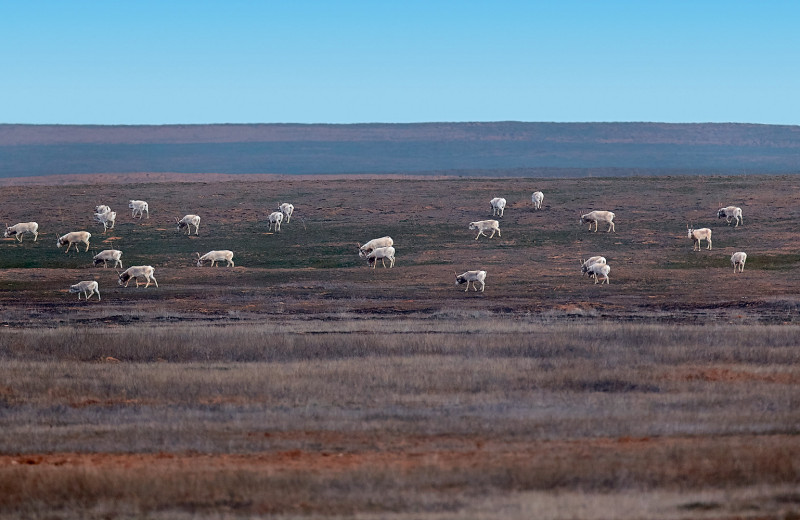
point(595, 217)
point(375, 243)
point(600, 270)
point(17, 230)
point(76, 237)
point(381, 253)
point(587, 264)
point(187, 222)
point(108, 255)
point(136, 272)
point(474, 277)
point(498, 206)
point(216, 256)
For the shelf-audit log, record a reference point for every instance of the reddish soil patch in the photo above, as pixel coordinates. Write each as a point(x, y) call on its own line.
point(339, 452)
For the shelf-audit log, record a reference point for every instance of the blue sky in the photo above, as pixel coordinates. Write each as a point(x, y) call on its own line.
point(164, 62)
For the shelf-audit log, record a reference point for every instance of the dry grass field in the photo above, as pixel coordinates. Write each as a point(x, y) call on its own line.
point(303, 384)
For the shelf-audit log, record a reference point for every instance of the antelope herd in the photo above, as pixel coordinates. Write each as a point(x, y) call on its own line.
point(378, 249)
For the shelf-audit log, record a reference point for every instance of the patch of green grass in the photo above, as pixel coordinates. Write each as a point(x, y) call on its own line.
point(773, 262)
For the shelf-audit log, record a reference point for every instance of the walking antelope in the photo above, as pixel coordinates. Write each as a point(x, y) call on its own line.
point(738, 260)
point(287, 210)
point(537, 199)
point(486, 225)
point(731, 212)
point(138, 207)
point(106, 218)
point(87, 288)
point(275, 219)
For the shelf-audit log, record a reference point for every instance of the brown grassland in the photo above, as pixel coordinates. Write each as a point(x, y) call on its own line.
point(303, 384)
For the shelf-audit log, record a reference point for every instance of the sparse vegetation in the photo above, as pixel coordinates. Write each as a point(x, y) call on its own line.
point(298, 385)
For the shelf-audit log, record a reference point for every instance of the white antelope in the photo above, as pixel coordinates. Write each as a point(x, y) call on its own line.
point(106, 218)
point(17, 230)
point(381, 253)
point(375, 243)
point(108, 255)
point(697, 235)
point(216, 256)
point(587, 264)
point(187, 222)
point(138, 207)
point(600, 271)
point(595, 217)
point(87, 288)
point(137, 272)
point(287, 210)
point(537, 199)
point(738, 260)
point(474, 277)
point(275, 219)
point(731, 212)
point(486, 225)
point(498, 206)
point(76, 237)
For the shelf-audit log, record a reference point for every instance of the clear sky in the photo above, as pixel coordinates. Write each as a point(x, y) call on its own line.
point(229, 61)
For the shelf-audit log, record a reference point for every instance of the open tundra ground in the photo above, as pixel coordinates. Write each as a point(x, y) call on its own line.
point(301, 383)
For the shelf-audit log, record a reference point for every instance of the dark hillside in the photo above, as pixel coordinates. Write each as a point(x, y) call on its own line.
point(503, 148)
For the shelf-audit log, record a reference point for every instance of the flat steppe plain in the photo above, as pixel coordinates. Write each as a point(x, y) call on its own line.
point(302, 383)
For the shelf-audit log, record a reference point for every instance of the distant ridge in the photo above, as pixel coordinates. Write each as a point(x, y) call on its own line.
point(491, 148)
